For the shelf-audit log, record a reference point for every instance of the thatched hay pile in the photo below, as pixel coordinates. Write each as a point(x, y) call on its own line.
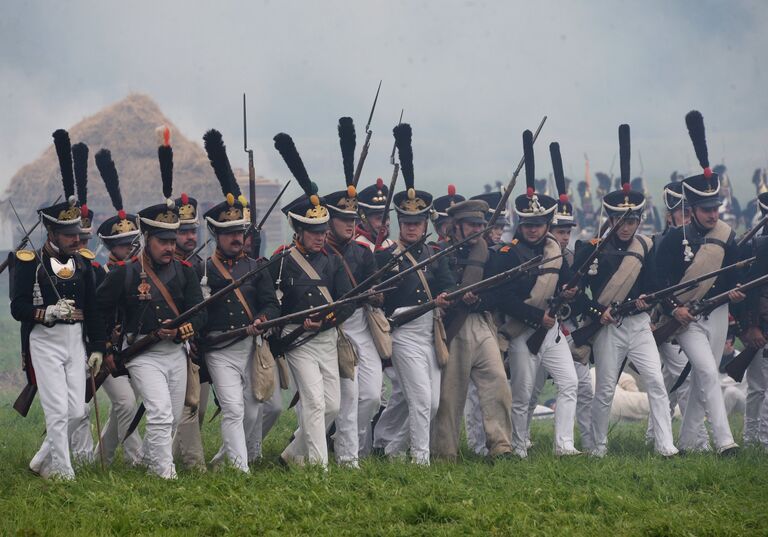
point(127, 129)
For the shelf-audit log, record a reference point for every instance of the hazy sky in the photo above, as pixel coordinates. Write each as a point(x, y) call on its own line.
point(471, 75)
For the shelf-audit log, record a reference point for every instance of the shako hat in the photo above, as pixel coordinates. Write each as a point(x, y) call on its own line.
point(532, 208)
point(616, 203)
point(229, 215)
point(308, 211)
point(121, 228)
point(162, 220)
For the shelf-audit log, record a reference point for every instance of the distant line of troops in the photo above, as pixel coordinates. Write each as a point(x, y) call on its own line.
point(76, 315)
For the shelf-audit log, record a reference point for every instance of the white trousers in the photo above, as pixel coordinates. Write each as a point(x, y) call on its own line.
point(703, 342)
point(756, 414)
point(369, 377)
point(58, 356)
point(361, 396)
point(122, 410)
point(81, 437)
point(473, 421)
point(584, 396)
point(315, 370)
point(632, 339)
point(555, 356)
point(413, 357)
point(230, 371)
point(392, 427)
point(160, 376)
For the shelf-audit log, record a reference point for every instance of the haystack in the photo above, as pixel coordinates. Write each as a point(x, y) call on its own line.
point(127, 129)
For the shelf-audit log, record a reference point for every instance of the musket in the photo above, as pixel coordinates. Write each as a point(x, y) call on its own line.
point(536, 339)
point(736, 367)
point(505, 195)
point(704, 307)
point(584, 333)
point(24, 240)
point(271, 207)
point(255, 243)
point(315, 312)
point(98, 420)
point(477, 287)
point(367, 144)
point(286, 341)
point(382, 231)
point(749, 234)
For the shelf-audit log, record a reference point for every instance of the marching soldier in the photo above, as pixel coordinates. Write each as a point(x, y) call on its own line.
point(154, 288)
point(310, 277)
point(81, 439)
point(753, 322)
point(524, 302)
point(231, 363)
point(704, 245)
point(188, 442)
point(358, 262)
point(473, 414)
point(672, 356)
point(120, 235)
point(624, 271)
point(371, 203)
point(474, 351)
point(413, 343)
point(563, 224)
point(53, 296)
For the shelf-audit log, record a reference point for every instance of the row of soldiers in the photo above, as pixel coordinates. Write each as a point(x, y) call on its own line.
point(470, 325)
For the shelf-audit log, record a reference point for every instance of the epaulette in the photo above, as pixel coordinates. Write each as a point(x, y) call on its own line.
point(95, 264)
point(514, 242)
point(504, 249)
point(25, 255)
point(120, 263)
point(595, 241)
point(87, 254)
point(186, 263)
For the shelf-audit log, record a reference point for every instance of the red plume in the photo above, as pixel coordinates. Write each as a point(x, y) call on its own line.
point(625, 187)
point(84, 209)
point(707, 172)
point(166, 136)
point(564, 198)
point(379, 183)
point(451, 190)
point(184, 199)
point(529, 192)
point(121, 214)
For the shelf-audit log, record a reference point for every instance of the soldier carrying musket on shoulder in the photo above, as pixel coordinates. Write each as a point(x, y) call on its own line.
point(310, 276)
point(407, 419)
point(624, 271)
point(231, 365)
point(524, 302)
point(120, 235)
point(474, 351)
point(53, 296)
point(704, 245)
point(360, 395)
point(188, 442)
point(155, 288)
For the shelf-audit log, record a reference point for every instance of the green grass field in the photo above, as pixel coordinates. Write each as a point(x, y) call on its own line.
point(632, 492)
